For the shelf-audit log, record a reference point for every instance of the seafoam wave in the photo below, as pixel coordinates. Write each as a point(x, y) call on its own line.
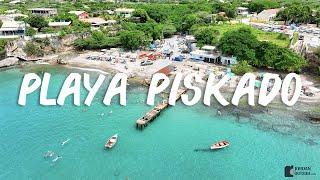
point(91, 69)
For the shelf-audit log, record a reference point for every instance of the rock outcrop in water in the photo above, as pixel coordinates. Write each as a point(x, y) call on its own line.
point(61, 61)
point(8, 62)
point(315, 119)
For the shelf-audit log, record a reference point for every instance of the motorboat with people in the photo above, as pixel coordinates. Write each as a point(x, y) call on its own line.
point(111, 141)
point(220, 145)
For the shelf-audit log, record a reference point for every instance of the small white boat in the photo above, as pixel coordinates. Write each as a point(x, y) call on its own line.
point(111, 141)
point(220, 145)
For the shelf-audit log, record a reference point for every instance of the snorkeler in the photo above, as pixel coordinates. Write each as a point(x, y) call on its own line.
point(64, 142)
point(56, 159)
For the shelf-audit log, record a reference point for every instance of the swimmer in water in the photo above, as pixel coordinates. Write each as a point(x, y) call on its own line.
point(102, 114)
point(48, 154)
point(64, 142)
point(110, 112)
point(57, 158)
point(219, 113)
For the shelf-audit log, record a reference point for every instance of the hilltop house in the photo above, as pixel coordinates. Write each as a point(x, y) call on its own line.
point(110, 12)
point(242, 11)
point(16, 2)
point(111, 22)
point(124, 12)
point(12, 29)
point(95, 21)
point(58, 25)
point(11, 17)
point(44, 11)
point(266, 15)
point(80, 14)
point(11, 11)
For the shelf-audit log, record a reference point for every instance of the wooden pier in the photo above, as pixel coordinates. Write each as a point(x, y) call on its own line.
point(155, 112)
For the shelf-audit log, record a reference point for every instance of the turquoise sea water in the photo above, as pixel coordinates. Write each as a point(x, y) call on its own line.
point(174, 146)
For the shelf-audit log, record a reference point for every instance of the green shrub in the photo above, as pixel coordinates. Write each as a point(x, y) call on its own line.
point(30, 31)
point(242, 67)
point(31, 49)
point(98, 40)
point(317, 52)
point(3, 44)
point(132, 40)
point(282, 36)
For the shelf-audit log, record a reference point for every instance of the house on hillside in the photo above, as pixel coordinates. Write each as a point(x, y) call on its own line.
point(242, 11)
point(16, 2)
point(12, 29)
point(59, 25)
point(266, 15)
point(44, 11)
point(80, 14)
point(111, 22)
point(110, 12)
point(11, 11)
point(95, 21)
point(13, 16)
point(124, 12)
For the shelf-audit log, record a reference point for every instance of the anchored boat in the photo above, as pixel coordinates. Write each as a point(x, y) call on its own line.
point(220, 145)
point(111, 141)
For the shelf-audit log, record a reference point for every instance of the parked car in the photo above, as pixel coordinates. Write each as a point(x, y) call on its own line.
point(146, 63)
point(178, 58)
point(301, 37)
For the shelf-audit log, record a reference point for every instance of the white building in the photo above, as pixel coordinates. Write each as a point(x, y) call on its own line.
point(111, 22)
point(110, 12)
point(190, 39)
point(11, 11)
point(80, 14)
point(207, 54)
point(212, 55)
point(59, 24)
point(44, 11)
point(16, 2)
point(242, 11)
point(124, 12)
point(228, 60)
point(12, 16)
point(95, 21)
point(267, 15)
point(12, 29)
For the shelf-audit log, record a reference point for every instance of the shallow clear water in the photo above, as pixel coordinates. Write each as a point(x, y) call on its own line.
point(174, 146)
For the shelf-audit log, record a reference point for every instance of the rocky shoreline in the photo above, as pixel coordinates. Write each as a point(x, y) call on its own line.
point(7, 62)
